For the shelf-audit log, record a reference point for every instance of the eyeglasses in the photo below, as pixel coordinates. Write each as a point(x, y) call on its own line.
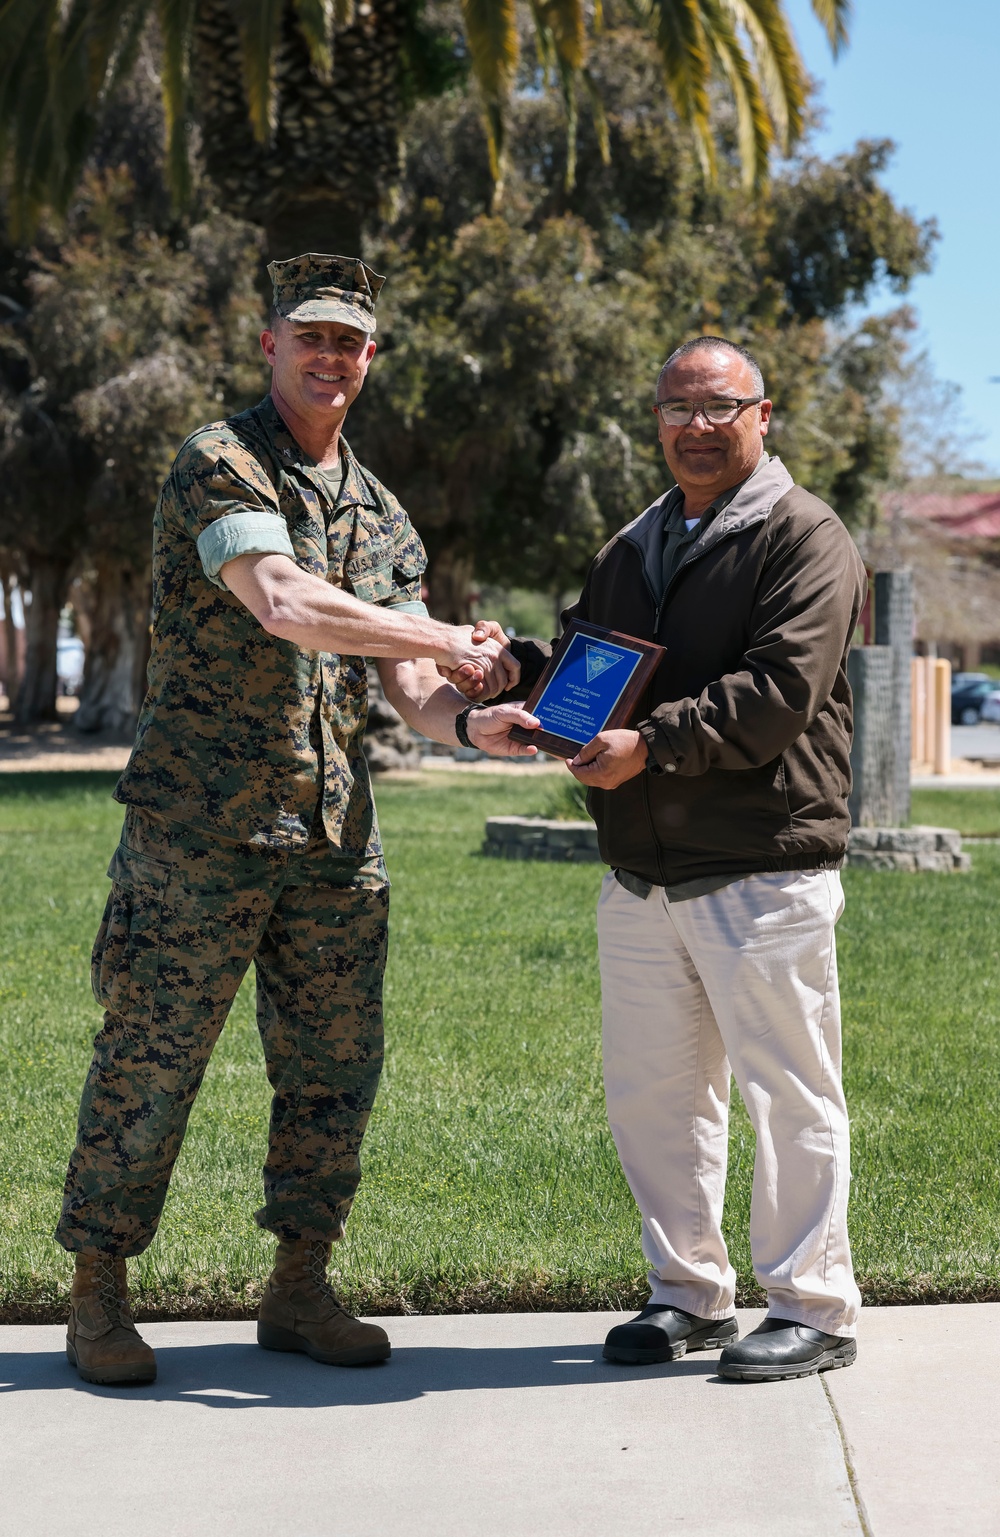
point(680, 413)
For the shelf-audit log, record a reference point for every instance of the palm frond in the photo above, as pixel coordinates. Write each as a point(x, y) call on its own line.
point(28, 140)
point(259, 26)
point(568, 78)
point(565, 23)
point(94, 45)
point(561, 41)
point(25, 27)
point(317, 20)
point(686, 59)
point(599, 115)
point(754, 123)
point(106, 27)
point(176, 19)
point(491, 31)
point(833, 16)
point(122, 61)
point(780, 73)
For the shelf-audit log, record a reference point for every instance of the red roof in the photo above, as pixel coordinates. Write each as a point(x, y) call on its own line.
point(969, 515)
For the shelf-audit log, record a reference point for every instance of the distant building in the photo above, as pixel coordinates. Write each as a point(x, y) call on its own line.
point(951, 538)
point(965, 515)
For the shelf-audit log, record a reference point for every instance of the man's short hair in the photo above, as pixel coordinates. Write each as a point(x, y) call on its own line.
point(716, 343)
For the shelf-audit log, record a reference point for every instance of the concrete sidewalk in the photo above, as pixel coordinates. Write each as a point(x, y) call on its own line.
point(506, 1426)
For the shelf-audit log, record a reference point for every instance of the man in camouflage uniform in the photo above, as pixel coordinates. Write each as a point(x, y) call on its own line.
point(279, 565)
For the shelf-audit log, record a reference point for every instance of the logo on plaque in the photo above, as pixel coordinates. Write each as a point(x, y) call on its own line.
point(583, 690)
point(599, 660)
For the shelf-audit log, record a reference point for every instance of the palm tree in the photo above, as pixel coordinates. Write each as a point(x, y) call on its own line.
point(299, 102)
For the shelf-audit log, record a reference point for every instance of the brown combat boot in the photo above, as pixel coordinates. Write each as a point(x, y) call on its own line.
point(300, 1311)
point(102, 1341)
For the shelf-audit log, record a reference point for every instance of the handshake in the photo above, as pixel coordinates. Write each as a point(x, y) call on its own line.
point(477, 661)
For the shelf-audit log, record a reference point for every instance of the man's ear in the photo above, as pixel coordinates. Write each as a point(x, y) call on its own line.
point(267, 345)
point(765, 416)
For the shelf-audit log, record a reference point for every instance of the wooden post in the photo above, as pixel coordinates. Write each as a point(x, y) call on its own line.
point(918, 711)
point(942, 716)
point(930, 709)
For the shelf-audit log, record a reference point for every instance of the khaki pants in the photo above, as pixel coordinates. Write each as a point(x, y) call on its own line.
point(743, 980)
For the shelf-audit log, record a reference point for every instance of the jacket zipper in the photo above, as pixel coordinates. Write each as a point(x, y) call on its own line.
point(657, 610)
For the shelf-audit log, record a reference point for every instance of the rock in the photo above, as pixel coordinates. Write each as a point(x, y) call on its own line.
point(539, 838)
point(929, 849)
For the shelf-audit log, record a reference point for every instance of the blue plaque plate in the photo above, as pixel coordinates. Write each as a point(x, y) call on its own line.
point(591, 684)
point(586, 684)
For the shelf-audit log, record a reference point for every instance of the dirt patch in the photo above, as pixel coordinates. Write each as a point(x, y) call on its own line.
point(56, 745)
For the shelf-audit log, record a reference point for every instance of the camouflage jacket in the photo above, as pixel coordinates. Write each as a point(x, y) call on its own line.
point(241, 732)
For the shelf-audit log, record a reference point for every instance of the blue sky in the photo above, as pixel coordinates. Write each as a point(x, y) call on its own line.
point(927, 75)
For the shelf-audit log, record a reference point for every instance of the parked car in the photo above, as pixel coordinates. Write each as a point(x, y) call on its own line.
point(69, 664)
point(990, 707)
point(967, 701)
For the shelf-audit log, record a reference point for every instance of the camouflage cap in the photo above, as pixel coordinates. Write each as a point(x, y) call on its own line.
point(318, 287)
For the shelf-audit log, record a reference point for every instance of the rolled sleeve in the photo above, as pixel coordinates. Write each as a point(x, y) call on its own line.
point(408, 606)
point(247, 532)
point(220, 495)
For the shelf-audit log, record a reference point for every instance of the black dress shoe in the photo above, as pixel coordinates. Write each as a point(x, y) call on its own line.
point(779, 1348)
point(662, 1333)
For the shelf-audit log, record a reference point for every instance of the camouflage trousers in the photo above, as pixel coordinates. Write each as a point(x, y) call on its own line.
point(185, 918)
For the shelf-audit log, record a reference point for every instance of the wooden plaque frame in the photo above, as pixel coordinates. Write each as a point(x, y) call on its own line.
point(650, 656)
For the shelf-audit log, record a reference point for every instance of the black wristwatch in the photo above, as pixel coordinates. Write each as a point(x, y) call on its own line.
point(462, 726)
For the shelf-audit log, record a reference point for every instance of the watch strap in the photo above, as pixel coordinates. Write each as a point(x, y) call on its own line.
point(462, 725)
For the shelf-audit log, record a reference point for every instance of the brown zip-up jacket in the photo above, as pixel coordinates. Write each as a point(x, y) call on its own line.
point(748, 719)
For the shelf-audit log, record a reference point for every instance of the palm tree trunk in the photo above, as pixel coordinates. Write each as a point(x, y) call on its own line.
point(334, 155)
point(116, 602)
point(313, 224)
point(36, 697)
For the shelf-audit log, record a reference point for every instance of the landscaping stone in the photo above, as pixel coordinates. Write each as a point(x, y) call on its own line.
point(540, 838)
point(907, 848)
point(870, 848)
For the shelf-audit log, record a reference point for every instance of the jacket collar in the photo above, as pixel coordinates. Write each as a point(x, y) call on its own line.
point(289, 453)
point(738, 508)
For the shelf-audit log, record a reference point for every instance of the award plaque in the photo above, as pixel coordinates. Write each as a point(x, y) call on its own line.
point(591, 683)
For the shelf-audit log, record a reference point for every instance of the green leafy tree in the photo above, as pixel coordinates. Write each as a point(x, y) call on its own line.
point(299, 104)
point(41, 521)
point(509, 403)
point(127, 339)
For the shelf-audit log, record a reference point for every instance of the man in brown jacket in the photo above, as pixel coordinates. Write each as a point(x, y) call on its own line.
point(723, 815)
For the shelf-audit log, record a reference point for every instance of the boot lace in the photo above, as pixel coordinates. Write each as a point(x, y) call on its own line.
point(317, 1257)
point(109, 1289)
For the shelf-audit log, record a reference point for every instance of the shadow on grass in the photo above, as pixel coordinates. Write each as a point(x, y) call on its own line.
point(242, 1376)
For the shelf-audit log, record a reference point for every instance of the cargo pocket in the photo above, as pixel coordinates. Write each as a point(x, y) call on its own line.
point(126, 956)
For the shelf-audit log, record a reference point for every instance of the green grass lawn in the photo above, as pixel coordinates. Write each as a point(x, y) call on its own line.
point(976, 813)
point(490, 1177)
